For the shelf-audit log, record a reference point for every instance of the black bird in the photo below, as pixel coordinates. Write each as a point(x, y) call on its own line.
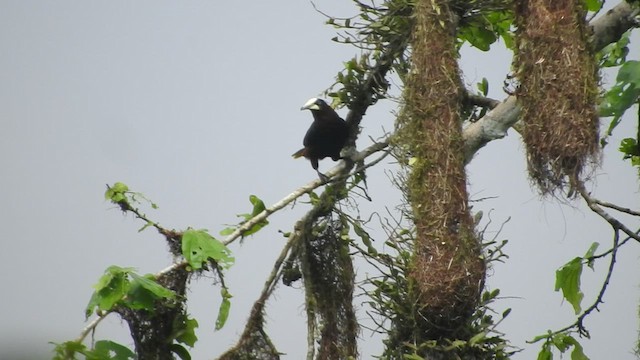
point(326, 136)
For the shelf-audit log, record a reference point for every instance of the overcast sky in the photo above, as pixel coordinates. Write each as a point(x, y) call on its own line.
point(196, 104)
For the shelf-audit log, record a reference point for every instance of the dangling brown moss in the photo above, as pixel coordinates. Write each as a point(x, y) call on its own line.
point(328, 277)
point(558, 89)
point(448, 269)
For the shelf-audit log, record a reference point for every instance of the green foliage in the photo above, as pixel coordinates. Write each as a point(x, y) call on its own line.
point(144, 291)
point(483, 87)
point(181, 351)
point(102, 350)
point(117, 192)
point(561, 342)
point(588, 256)
point(122, 287)
point(186, 333)
point(350, 80)
point(622, 95)
point(198, 247)
point(484, 30)
point(225, 306)
point(120, 195)
point(568, 279)
point(630, 148)
point(380, 32)
point(393, 297)
point(258, 208)
point(594, 5)
point(184, 328)
point(67, 350)
point(614, 54)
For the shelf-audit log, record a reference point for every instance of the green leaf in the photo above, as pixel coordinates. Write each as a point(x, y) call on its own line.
point(225, 306)
point(593, 5)
point(564, 341)
point(364, 236)
point(578, 352)
point(111, 288)
point(622, 95)
point(412, 357)
point(483, 86)
point(568, 280)
point(227, 231)
point(67, 350)
point(180, 351)
point(93, 302)
point(188, 332)
point(313, 198)
point(478, 37)
point(477, 338)
point(145, 226)
point(561, 341)
point(629, 147)
point(111, 350)
point(198, 247)
point(592, 250)
point(614, 54)
point(149, 283)
point(545, 353)
point(116, 193)
point(144, 292)
point(589, 254)
point(258, 207)
point(629, 73)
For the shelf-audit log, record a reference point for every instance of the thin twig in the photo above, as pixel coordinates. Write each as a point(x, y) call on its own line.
point(617, 207)
point(615, 223)
point(598, 256)
point(92, 326)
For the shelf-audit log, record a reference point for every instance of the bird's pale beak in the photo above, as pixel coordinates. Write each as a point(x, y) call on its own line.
point(310, 107)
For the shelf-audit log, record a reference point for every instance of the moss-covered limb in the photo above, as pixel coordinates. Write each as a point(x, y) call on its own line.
point(448, 272)
point(153, 332)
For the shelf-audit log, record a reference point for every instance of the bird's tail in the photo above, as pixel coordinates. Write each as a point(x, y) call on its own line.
point(299, 153)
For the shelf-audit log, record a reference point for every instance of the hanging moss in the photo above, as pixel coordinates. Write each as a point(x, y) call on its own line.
point(328, 275)
point(558, 90)
point(254, 343)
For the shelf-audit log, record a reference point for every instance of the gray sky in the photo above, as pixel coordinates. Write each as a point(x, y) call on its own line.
point(195, 104)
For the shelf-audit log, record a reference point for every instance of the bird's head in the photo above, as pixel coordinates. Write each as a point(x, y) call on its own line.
point(314, 104)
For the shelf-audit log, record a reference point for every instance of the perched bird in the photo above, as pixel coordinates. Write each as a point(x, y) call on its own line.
point(326, 136)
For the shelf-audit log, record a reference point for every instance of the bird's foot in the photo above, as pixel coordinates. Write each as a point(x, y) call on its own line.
point(324, 178)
